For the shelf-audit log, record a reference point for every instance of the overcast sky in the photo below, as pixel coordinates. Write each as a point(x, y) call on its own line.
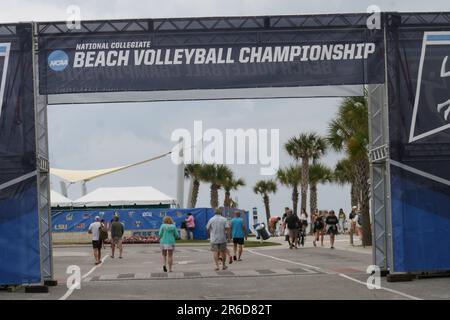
point(102, 136)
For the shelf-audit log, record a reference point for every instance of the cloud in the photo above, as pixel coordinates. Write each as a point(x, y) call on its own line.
point(48, 10)
point(99, 136)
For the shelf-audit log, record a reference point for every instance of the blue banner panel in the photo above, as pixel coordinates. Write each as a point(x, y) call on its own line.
point(19, 224)
point(134, 219)
point(421, 224)
point(152, 61)
point(419, 124)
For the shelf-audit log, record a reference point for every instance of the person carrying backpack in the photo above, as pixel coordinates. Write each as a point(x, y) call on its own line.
point(319, 226)
point(98, 230)
point(352, 222)
point(359, 222)
point(292, 222)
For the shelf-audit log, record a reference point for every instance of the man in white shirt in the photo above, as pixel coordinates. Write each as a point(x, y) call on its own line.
point(218, 230)
point(94, 230)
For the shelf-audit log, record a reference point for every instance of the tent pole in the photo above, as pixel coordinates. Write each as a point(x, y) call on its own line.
point(180, 175)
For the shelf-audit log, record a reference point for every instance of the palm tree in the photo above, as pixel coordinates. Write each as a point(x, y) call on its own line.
point(290, 177)
point(264, 187)
point(318, 173)
point(343, 175)
point(231, 184)
point(216, 175)
point(193, 172)
point(349, 132)
point(306, 147)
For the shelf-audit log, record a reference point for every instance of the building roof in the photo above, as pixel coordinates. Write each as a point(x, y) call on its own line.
point(124, 196)
point(58, 200)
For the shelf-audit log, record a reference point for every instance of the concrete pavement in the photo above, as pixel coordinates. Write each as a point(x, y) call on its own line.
point(265, 273)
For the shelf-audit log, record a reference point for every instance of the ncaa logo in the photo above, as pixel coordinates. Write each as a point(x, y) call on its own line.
point(58, 60)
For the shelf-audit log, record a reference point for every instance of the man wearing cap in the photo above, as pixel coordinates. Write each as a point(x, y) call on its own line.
point(94, 230)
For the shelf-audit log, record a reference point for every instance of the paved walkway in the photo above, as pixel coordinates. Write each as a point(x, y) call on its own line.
point(265, 273)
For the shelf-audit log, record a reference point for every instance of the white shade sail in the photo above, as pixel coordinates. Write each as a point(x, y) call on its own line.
point(73, 176)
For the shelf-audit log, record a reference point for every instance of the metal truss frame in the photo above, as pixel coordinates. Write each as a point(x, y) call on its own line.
point(228, 30)
point(258, 23)
point(43, 169)
point(379, 175)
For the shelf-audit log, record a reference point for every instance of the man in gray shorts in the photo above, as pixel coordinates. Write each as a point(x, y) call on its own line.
point(219, 234)
point(117, 231)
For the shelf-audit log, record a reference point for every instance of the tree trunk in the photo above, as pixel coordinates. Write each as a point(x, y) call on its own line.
point(362, 168)
point(267, 206)
point(227, 200)
point(195, 189)
point(304, 182)
point(295, 199)
point(313, 197)
point(214, 196)
point(354, 194)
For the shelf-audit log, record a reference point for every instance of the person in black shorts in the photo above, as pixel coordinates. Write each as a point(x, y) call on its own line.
point(332, 226)
point(318, 227)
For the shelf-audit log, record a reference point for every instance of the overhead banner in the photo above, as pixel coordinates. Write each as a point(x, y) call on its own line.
point(19, 223)
point(91, 62)
point(419, 107)
point(136, 219)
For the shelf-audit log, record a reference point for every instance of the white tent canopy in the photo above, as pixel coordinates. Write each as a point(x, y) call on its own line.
point(124, 196)
point(58, 200)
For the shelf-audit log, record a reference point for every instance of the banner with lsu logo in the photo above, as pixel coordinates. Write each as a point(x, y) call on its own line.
point(78, 220)
point(419, 118)
point(19, 225)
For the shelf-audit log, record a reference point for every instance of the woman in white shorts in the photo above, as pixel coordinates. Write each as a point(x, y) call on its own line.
point(168, 235)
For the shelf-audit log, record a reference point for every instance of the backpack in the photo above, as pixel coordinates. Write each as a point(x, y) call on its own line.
point(292, 222)
point(360, 220)
point(318, 224)
point(103, 234)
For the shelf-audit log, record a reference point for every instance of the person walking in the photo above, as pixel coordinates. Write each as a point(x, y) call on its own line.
point(219, 233)
point(238, 233)
point(292, 222)
point(303, 225)
point(117, 231)
point(359, 223)
point(314, 215)
point(228, 253)
point(331, 222)
point(168, 235)
point(318, 228)
point(283, 228)
point(352, 221)
point(190, 226)
point(94, 230)
point(342, 218)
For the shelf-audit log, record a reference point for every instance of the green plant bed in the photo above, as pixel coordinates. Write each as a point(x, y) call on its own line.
point(192, 241)
point(255, 244)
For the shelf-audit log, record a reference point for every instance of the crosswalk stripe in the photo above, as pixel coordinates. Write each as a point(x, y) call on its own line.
point(202, 274)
